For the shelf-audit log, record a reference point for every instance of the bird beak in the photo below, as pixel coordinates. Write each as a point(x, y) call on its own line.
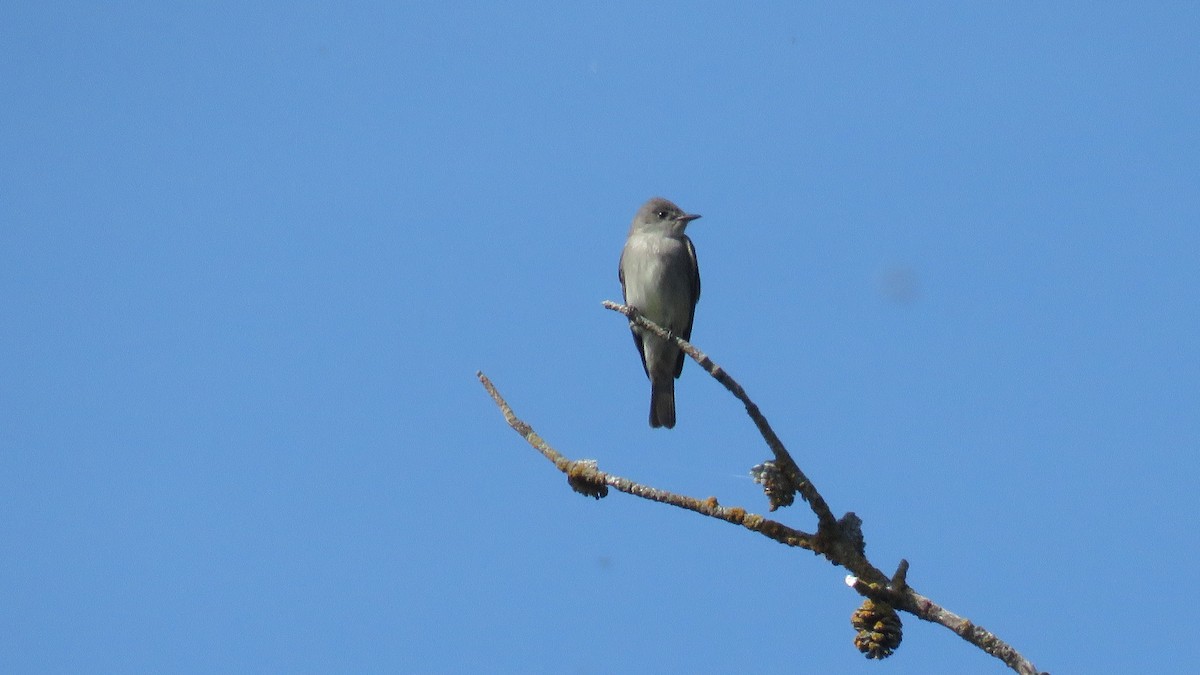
point(688, 217)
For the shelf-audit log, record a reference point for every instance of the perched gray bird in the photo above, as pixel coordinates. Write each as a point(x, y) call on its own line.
point(660, 278)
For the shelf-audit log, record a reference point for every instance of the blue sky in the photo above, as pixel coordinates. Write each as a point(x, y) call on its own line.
point(251, 258)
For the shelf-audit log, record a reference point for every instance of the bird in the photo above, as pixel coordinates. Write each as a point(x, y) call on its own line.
point(660, 278)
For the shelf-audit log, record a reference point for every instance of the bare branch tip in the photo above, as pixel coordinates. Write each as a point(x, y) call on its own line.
point(900, 578)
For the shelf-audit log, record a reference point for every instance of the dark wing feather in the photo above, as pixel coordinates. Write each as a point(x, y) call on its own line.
point(694, 271)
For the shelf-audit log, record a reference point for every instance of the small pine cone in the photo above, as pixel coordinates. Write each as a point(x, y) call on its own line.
point(879, 629)
point(776, 486)
point(581, 478)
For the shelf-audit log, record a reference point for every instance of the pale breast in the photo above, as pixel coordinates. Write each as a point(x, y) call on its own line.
point(657, 272)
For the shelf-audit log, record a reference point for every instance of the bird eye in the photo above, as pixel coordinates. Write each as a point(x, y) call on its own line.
point(662, 215)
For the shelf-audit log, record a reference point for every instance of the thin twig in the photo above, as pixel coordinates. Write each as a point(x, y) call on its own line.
point(585, 471)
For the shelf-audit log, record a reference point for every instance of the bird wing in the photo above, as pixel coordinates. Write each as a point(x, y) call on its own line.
point(694, 272)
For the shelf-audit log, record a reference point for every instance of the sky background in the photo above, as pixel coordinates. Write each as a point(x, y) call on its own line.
point(252, 257)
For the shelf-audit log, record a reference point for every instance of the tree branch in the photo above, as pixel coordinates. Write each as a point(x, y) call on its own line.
point(839, 540)
point(586, 478)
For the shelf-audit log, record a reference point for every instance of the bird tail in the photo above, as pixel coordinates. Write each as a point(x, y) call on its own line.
point(662, 403)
